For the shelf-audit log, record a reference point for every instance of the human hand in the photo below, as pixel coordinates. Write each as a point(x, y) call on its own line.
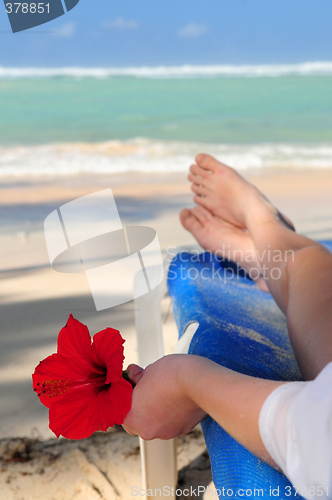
point(161, 408)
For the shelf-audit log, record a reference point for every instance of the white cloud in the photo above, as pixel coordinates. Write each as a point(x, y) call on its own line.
point(66, 31)
point(120, 23)
point(193, 30)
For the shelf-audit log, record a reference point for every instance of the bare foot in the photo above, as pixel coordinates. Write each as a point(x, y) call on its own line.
point(226, 194)
point(224, 240)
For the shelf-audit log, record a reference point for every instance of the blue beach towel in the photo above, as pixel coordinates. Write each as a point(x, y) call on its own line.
point(241, 328)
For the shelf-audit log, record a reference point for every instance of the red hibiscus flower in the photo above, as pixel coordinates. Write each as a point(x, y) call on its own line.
point(82, 384)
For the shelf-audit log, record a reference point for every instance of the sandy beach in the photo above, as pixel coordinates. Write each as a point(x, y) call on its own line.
point(36, 301)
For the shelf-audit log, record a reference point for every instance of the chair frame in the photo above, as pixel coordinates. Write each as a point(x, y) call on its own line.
point(158, 457)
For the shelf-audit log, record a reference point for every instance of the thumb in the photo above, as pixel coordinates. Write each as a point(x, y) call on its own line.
point(135, 373)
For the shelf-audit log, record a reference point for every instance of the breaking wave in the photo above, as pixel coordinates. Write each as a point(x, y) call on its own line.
point(147, 155)
point(185, 71)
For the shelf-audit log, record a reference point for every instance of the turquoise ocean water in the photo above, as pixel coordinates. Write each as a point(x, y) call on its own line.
point(282, 119)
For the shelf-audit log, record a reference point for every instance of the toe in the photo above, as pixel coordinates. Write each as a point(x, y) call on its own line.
point(206, 162)
point(203, 201)
point(185, 213)
point(195, 179)
point(199, 189)
point(197, 170)
point(200, 215)
point(204, 212)
point(189, 221)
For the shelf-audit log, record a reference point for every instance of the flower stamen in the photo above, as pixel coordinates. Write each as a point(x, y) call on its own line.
point(52, 388)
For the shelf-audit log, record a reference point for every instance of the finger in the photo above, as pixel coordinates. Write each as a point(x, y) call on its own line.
point(135, 373)
point(129, 431)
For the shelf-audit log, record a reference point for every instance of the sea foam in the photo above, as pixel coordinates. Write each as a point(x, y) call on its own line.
point(146, 155)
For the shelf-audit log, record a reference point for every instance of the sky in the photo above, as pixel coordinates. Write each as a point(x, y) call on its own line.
point(174, 32)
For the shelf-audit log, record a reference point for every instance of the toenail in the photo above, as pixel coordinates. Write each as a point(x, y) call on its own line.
point(200, 157)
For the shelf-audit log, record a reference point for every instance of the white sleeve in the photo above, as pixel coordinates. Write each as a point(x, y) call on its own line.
point(295, 424)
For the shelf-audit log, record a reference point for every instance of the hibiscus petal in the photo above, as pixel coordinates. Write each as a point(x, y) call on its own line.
point(74, 341)
point(111, 406)
point(56, 376)
point(70, 416)
point(108, 351)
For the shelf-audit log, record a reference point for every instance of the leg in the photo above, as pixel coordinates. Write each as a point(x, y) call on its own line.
point(297, 270)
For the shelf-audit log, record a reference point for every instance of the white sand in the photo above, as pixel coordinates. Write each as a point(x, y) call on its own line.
point(105, 466)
